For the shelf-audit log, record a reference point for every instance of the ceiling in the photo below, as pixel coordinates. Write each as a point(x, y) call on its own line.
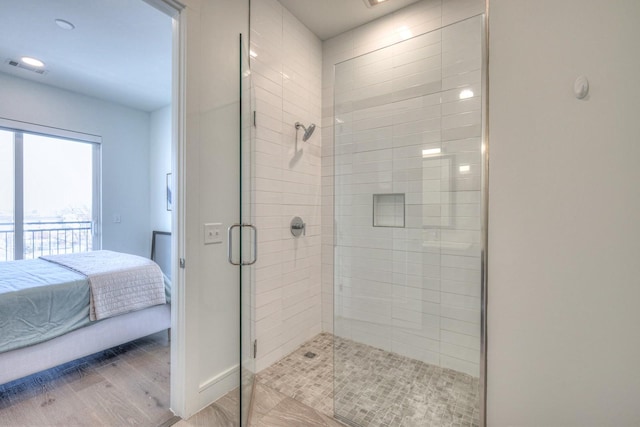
point(120, 50)
point(328, 18)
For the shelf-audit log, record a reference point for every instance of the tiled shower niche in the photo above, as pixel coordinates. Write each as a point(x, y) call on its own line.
point(388, 210)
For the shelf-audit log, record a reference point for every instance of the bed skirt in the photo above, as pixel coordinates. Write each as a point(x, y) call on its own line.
point(82, 342)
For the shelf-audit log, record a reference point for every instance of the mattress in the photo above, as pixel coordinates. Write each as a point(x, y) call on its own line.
point(40, 300)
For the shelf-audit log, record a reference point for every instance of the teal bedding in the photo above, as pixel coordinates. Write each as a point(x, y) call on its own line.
point(40, 300)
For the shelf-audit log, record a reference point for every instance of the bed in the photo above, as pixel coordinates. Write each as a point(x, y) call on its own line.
point(59, 308)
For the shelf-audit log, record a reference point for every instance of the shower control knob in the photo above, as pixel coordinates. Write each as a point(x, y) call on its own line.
point(298, 227)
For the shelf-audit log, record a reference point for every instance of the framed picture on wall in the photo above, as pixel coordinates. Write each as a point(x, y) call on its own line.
point(169, 193)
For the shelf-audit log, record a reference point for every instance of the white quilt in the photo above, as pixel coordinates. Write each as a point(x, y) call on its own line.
point(119, 282)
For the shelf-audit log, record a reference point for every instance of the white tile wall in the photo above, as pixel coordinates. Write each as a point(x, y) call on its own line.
point(286, 68)
point(412, 290)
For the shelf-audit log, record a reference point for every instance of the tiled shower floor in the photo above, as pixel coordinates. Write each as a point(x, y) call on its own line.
point(374, 387)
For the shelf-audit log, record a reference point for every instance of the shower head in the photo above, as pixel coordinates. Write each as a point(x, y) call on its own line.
point(308, 131)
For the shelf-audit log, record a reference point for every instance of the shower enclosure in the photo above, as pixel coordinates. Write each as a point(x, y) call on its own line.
point(409, 173)
point(366, 302)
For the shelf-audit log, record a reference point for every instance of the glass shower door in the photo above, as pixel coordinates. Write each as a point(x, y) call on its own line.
point(248, 241)
point(408, 245)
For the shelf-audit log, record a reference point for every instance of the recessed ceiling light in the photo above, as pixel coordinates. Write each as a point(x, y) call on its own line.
point(371, 3)
point(32, 61)
point(65, 25)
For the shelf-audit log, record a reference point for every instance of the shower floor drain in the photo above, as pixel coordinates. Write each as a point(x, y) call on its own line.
point(310, 354)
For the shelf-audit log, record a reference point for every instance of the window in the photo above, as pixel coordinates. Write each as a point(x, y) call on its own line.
point(49, 192)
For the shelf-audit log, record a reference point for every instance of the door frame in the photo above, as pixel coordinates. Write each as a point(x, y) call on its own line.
point(178, 388)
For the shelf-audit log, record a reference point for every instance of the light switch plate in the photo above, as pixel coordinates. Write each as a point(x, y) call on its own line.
point(212, 233)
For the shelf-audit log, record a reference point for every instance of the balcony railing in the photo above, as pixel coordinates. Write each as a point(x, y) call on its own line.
point(46, 238)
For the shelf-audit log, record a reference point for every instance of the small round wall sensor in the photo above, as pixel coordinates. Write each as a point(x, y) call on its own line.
point(581, 87)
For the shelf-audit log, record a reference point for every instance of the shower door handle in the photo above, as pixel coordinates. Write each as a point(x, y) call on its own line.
point(230, 244)
point(255, 244)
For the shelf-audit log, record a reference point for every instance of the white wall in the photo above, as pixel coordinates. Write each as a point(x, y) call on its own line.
point(286, 71)
point(159, 167)
point(125, 152)
point(389, 294)
point(564, 207)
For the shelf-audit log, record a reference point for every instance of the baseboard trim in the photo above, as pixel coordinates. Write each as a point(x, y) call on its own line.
point(216, 387)
point(220, 377)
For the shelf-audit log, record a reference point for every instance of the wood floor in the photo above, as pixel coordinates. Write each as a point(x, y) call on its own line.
point(129, 385)
point(270, 409)
point(126, 385)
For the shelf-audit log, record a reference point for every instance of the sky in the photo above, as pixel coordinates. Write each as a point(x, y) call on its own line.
point(57, 175)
